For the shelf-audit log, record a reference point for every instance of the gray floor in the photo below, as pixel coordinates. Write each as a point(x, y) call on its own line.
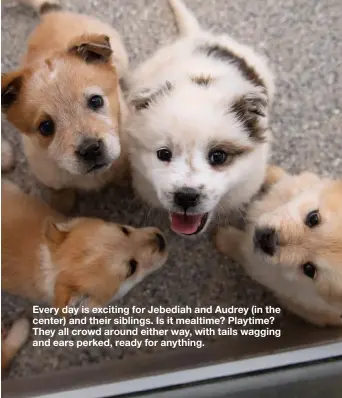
point(303, 42)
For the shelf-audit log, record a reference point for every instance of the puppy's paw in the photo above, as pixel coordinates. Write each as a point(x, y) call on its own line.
point(222, 240)
point(62, 200)
point(7, 156)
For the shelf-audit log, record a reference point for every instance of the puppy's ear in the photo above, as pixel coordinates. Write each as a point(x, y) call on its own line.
point(11, 84)
point(143, 98)
point(273, 175)
point(251, 110)
point(92, 48)
point(55, 232)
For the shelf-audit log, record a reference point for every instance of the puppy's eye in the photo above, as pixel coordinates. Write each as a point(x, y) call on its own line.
point(46, 127)
point(132, 267)
point(309, 270)
point(164, 154)
point(313, 219)
point(217, 157)
point(95, 102)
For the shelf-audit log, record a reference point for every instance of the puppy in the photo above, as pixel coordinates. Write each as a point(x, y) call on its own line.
point(293, 244)
point(47, 258)
point(198, 132)
point(65, 99)
point(13, 340)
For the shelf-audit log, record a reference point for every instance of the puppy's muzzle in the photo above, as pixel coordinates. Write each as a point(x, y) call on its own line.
point(186, 198)
point(267, 240)
point(92, 153)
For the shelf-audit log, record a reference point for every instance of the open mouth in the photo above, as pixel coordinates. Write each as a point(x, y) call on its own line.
point(188, 224)
point(97, 167)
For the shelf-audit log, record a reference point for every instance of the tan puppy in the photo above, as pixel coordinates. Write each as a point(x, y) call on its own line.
point(13, 340)
point(65, 99)
point(47, 258)
point(293, 244)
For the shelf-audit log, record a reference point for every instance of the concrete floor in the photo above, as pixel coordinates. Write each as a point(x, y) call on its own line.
point(303, 42)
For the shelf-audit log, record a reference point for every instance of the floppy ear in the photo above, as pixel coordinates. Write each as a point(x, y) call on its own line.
point(251, 111)
point(11, 83)
point(92, 48)
point(55, 232)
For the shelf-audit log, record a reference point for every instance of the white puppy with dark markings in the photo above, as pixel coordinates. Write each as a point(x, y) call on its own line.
point(199, 132)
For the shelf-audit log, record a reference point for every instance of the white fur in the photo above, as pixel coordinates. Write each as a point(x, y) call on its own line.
point(190, 118)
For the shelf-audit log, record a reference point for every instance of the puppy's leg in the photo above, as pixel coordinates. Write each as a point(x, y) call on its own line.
point(229, 241)
point(63, 295)
point(15, 339)
point(62, 200)
point(7, 156)
point(273, 174)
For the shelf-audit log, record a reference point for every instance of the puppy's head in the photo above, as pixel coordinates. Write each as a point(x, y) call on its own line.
point(198, 146)
point(300, 234)
point(100, 259)
point(68, 105)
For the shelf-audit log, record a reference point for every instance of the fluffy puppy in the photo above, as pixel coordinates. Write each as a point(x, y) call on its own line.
point(65, 99)
point(198, 135)
point(293, 244)
point(13, 340)
point(47, 258)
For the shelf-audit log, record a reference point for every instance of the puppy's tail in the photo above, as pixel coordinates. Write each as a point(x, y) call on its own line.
point(43, 6)
point(186, 21)
point(15, 339)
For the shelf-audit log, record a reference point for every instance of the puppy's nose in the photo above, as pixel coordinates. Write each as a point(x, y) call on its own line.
point(267, 240)
point(160, 242)
point(186, 197)
point(90, 149)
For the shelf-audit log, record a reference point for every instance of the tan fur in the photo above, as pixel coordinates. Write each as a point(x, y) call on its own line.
point(54, 81)
point(284, 208)
point(50, 259)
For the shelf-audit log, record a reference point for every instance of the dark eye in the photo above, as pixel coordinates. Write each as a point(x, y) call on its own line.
point(95, 102)
point(46, 127)
point(164, 154)
point(309, 270)
point(217, 157)
point(132, 267)
point(125, 230)
point(313, 219)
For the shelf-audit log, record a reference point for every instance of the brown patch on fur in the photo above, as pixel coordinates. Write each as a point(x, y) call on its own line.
point(202, 80)
point(226, 55)
point(49, 7)
point(249, 111)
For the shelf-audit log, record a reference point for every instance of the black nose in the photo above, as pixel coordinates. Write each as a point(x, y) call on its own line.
point(160, 242)
point(186, 197)
point(267, 240)
point(90, 149)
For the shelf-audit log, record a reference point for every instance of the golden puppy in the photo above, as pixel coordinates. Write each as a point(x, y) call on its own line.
point(13, 340)
point(47, 258)
point(293, 244)
point(65, 99)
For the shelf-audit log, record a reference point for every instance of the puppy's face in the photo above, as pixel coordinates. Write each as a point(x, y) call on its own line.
point(101, 260)
point(301, 235)
point(194, 148)
point(68, 105)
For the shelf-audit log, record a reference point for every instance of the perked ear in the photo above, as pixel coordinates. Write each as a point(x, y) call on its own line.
point(92, 48)
point(55, 232)
point(11, 83)
point(251, 110)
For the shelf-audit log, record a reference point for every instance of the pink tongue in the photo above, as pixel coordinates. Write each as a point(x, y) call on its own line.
point(185, 224)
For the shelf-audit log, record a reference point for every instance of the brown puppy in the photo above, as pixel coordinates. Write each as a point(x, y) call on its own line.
point(65, 99)
point(13, 340)
point(293, 244)
point(47, 258)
